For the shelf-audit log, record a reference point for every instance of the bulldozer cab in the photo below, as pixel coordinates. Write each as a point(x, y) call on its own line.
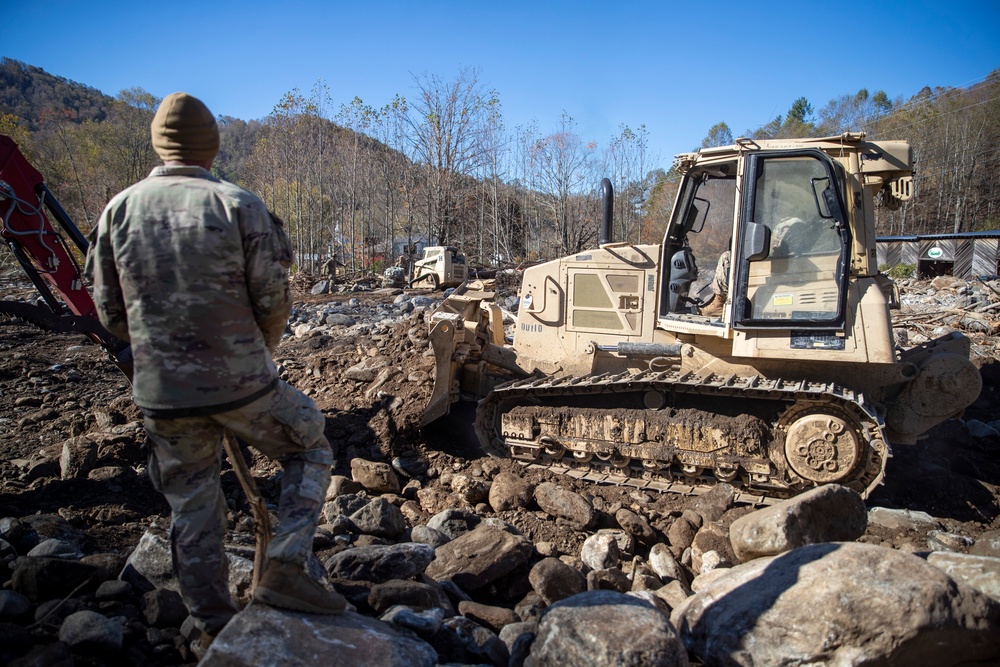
point(780, 218)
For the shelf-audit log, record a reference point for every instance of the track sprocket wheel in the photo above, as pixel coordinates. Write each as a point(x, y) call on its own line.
point(823, 445)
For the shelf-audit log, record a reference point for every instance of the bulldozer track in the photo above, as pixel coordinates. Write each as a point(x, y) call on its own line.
point(753, 485)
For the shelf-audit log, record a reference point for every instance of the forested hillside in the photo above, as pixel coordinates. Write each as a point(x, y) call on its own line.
point(30, 94)
point(443, 167)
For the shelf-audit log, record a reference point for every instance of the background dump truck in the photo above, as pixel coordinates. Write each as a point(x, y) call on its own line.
point(617, 371)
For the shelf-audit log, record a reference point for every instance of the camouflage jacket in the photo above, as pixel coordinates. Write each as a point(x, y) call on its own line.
point(193, 271)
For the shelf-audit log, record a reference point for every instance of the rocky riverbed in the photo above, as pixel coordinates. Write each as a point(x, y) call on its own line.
point(450, 557)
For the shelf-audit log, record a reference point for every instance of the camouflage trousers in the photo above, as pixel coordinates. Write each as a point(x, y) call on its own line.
point(185, 465)
point(720, 283)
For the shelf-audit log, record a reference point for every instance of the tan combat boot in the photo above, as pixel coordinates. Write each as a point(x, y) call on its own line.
point(198, 640)
point(288, 586)
point(199, 647)
point(714, 308)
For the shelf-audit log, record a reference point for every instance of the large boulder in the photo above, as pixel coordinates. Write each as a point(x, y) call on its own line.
point(78, 457)
point(413, 594)
point(89, 631)
point(636, 526)
point(366, 370)
point(461, 640)
point(380, 563)
point(479, 557)
point(150, 566)
point(376, 476)
point(663, 563)
point(13, 605)
point(842, 604)
point(564, 504)
point(425, 623)
point(380, 518)
point(40, 579)
point(490, 617)
point(600, 552)
point(470, 489)
point(711, 547)
point(163, 608)
point(454, 522)
point(829, 513)
point(681, 534)
point(716, 502)
point(262, 635)
point(509, 492)
point(988, 544)
point(55, 548)
point(610, 579)
point(605, 628)
point(902, 519)
point(554, 580)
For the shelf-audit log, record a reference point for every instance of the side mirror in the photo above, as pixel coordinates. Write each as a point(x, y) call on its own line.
point(821, 194)
point(756, 241)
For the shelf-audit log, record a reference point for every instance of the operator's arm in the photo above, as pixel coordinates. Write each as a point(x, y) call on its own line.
point(268, 255)
point(102, 271)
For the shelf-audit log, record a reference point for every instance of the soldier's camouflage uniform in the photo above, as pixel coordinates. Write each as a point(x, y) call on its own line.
point(192, 271)
point(720, 283)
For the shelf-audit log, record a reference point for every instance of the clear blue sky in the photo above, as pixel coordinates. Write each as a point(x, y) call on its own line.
point(675, 68)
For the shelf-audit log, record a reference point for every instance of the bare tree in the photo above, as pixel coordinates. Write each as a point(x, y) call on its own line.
point(955, 135)
point(289, 169)
point(445, 121)
point(626, 160)
point(562, 163)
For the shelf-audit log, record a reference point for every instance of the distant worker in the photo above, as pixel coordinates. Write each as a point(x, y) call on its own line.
point(329, 267)
point(194, 272)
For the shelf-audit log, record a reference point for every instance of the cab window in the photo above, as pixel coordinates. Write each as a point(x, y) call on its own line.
point(799, 278)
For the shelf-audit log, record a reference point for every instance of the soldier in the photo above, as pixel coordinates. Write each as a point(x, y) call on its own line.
point(329, 267)
point(720, 285)
point(194, 272)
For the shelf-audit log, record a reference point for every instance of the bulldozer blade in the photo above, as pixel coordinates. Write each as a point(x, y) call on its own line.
point(442, 337)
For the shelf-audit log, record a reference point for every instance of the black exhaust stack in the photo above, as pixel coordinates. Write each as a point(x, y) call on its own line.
point(608, 200)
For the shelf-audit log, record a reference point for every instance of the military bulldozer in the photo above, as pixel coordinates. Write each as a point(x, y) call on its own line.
point(621, 370)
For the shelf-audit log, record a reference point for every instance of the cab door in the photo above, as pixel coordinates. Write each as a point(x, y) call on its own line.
point(792, 257)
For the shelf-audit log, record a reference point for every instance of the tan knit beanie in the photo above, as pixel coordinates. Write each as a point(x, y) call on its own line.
point(183, 129)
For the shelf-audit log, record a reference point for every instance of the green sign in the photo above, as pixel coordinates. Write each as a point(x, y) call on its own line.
point(935, 252)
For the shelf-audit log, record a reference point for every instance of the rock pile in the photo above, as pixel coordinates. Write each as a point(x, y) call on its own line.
point(356, 316)
point(434, 578)
point(463, 585)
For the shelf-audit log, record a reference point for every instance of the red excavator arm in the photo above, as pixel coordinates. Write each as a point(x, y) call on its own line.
point(43, 254)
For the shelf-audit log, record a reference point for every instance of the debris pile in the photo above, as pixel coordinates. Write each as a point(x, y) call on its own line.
point(945, 304)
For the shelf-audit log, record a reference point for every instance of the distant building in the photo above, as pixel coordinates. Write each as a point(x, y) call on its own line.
point(416, 249)
point(962, 255)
